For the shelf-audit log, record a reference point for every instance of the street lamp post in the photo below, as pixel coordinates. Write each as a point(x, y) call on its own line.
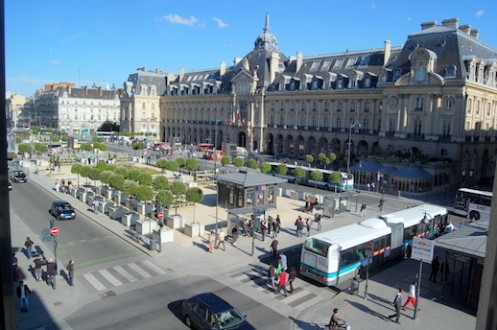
point(353, 125)
point(215, 174)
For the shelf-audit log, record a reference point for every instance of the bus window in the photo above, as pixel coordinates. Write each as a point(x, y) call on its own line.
point(317, 246)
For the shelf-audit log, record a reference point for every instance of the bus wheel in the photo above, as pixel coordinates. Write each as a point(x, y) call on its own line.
point(474, 215)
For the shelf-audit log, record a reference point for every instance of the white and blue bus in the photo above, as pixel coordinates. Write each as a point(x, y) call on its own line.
point(338, 255)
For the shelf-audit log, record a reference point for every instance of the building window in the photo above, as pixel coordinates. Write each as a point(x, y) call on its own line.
point(282, 120)
point(418, 127)
point(366, 106)
point(326, 121)
point(394, 102)
point(365, 123)
point(470, 105)
point(339, 106)
point(302, 120)
point(477, 110)
point(488, 109)
point(143, 106)
point(391, 125)
point(419, 104)
point(352, 106)
point(339, 122)
point(443, 153)
point(446, 128)
point(314, 121)
point(449, 102)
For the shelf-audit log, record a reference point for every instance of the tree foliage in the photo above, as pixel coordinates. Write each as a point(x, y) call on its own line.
point(145, 179)
point(41, 147)
point(317, 175)
point(309, 159)
point(24, 148)
point(282, 169)
point(299, 173)
point(180, 161)
point(252, 163)
point(162, 164)
point(239, 162)
point(123, 171)
point(160, 183)
point(225, 160)
point(335, 177)
point(265, 168)
point(143, 193)
point(194, 195)
point(165, 197)
point(192, 164)
point(116, 181)
point(134, 174)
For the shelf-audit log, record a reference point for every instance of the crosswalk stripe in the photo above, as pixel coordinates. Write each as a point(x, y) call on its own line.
point(308, 303)
point(124, 273)
point(296, 295)
point(94, 282)
point(139, 270)
point(150, 265)
point(109, 277)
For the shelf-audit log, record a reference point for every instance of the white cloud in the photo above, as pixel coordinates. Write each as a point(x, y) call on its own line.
point(480, 13)
point(220, 23)
point(176, 19)
point(54, 62)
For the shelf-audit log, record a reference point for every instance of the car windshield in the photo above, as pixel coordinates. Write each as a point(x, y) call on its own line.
point(65, 207)
point(229, 319)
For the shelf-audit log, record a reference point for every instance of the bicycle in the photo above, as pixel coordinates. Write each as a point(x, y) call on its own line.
point(343, 326)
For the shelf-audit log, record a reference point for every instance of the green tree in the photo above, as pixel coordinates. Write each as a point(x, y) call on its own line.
point(123, 171)
point(100, 146)
point(252, 163)
point(105, 176)
point(321, 156)
point(178, 189)
point(24, 148)
point(18, 140)
point(192, 164)
point(160, 183)
point(76, 169)
point(309, 159)
point(143, 193)
point(129, 187)
point(97, 139)
point(239, 162)
point(116, 181)
point(41, 147)
point(165, 197)
point(282, 169)
point(332, 157)
point(86, 147)
point(181, 161)
point(85, 171)
point(95, 174)
point(145, 179)
point(316, 176)
point(299, 173)
point(225, 160)
point(138, 146)
point(194, 195)
point(172, 166)
point(334, 179)
point(134, 174)
point(265, 168)
point(162, 164)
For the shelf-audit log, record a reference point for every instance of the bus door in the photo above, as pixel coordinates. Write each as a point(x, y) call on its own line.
point(397, 239)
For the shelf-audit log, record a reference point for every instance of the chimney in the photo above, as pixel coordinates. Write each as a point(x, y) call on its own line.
point(100, 91)
point(388, 51)
point(181, 74)
point(222, 69)
point(300, 59)
point(237, 60)
point(451, 23)
point(273, 66)
point(475, 33)
point(427, 25)
point(465, 29)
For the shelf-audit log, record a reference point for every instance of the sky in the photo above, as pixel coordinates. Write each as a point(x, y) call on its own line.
point(102, 42)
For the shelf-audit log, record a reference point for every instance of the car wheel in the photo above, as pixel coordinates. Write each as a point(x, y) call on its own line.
point(188, 321)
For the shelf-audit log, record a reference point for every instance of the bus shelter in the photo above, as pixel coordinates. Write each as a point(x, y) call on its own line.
point(241, 218)
point(338, 203)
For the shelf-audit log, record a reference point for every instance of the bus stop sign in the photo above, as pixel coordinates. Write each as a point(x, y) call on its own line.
point(422, 249)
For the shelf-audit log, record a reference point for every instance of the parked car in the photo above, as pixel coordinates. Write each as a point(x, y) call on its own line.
point(209, 311)
point(62, 210)
point(19, 176)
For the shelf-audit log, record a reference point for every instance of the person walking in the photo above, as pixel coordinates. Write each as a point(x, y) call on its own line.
point(263, 229)
point(22, 292)
point(283, 279)
point(38, 264)
point(70, 271)
point(380, 206)
point(51, 272)
point(397, 303)
point(278, 222)
point(363, 208)
point(411, 299)
point(234, 235)
point(284, 260)
point(274, 232)
point(28, 246)
point(220, 240)
point(292, 275)
point(211, 240)
point(317, 220)
point(94, 205)
point(274, 248)
point(299, 224)
point(435, 265)
point(308, 225)
point(271, 275)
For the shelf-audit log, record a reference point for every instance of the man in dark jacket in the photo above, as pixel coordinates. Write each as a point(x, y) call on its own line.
point(292, 275)
point(22, 294)
point(51, 272)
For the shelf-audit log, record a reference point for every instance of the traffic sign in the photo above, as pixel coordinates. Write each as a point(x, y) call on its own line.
point(54, 231)
point(160, 215)
point(422, 249)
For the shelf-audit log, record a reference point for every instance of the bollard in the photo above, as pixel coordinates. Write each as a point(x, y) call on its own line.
point(354, 287)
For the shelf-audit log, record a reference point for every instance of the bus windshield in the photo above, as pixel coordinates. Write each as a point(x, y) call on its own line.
point(466, 196)
point(317, 246)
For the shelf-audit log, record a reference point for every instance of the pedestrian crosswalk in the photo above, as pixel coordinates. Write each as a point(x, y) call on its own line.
point(104, 279)
point(300, 298)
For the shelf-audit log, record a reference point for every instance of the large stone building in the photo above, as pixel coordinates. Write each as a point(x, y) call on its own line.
point(75, 110)
point(14, 104)
point(432, 101)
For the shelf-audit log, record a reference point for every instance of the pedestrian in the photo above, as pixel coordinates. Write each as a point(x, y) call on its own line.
point(308, 225)
point(51, 272)
point(211, 241)
point(435, 265)
point(38, 264)
point(28, 246)
point(22, 294)
point(299, 224)
point(275, 229)
point(57, 185)
point(292, 275)
point(234, 235)
point(380, 206)
point(94, 205)
point(14, 267)
point(317, 220)
point(263, 229)
point(271, 275)
point(284, 260)
point(278, 221)
point(283, 279)
point(70, 271)
point(280, 268)
point(274, 248)
point(363, 208)
point(220, 240)
point(397, 303)
point(411, 299)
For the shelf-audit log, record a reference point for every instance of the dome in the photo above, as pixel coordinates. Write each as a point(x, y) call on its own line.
point(266, 40)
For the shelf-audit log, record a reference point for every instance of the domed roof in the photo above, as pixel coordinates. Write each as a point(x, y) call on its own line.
point(266, 40)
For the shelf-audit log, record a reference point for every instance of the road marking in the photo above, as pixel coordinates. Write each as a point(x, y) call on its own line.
point(125, 274)
point(296, 295)
point(150, 265)
point(308, 303)
point(94, 282)
point(109, 277)
point(139, 270)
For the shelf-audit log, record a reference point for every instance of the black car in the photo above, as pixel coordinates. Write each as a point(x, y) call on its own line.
point(19, 176)
point(62, 210)
point(209, 311)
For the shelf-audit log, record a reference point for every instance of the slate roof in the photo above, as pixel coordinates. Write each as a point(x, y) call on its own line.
point(250, 179)
point(470, 240)
point(144, 77)
point(412, 172)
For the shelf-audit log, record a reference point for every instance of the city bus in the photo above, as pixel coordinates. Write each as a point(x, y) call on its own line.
point(343, 185)
point(338, 255)
point(473, 204)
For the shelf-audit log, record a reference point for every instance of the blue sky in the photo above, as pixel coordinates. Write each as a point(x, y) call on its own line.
point(103, 41)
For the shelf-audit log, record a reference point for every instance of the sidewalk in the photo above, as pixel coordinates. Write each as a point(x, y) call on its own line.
point(361, 313)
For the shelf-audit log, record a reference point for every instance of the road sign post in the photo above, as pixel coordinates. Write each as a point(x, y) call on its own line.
point(422, 250)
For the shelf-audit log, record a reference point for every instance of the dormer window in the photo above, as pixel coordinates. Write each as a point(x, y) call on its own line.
point(450, 72)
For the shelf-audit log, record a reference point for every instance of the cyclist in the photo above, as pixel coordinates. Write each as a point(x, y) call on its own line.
point(336, 321)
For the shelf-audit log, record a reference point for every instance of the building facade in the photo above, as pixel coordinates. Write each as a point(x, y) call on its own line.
point(14, 105)
point(75, 110)
point(432, 102)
